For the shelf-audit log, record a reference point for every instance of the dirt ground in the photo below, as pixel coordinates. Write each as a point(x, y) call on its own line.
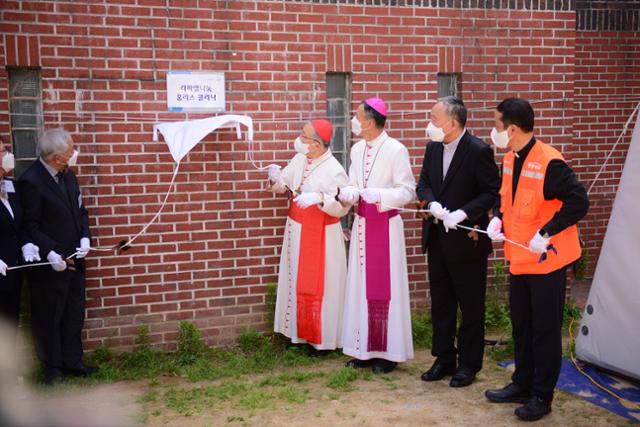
point(398, 399)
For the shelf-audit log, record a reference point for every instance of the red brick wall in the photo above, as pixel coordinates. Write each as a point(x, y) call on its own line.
point(607, 89)
point(216, 245)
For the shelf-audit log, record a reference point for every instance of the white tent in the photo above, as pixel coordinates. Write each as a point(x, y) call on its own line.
point(609, 335)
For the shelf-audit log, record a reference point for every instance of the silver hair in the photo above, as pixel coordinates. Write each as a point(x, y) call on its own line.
point(52, 142)
point(455, 108)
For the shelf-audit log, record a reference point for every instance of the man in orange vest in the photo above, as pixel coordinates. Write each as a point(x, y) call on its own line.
point(541, 200)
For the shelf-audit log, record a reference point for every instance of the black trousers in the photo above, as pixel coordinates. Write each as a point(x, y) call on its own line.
point(537, 305)
point(57, 316)
point(456, 284)
point(10, 298)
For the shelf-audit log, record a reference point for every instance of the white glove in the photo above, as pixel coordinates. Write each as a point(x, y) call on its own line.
point(494, 230)
point(305, 200)
point(30, 252)
point(370, 195)
point(57, 263)
point(438, 211)
point(3, 268)
point(85, 246)
point(453, 219)
point(348, 195)
point(538, 244)
point(275, 173)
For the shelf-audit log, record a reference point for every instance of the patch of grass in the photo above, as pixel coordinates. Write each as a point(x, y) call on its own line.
point(191, 401)
point(502, 351)
point(149, 397)
point(288, 377)
point(342, 379)
point(422, 330)
point(294, 394)
point(255, 399)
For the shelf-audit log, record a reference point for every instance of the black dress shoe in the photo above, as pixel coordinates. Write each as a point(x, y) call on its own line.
point(533, 410)
point(438, 371)
point(382, 366)
point(463, 377)
point(53, 377)
point(314, 352)
point(81, 370)
point(357, 363)
point(509, 394)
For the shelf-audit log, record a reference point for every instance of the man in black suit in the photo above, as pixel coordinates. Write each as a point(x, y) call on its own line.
point(58, 222)
point(459, 183)
point(12, 241)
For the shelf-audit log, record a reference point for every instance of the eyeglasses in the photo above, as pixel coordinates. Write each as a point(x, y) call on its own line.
point(302, 135)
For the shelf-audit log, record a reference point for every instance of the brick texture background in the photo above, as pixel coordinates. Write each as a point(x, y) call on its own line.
point(216, 245)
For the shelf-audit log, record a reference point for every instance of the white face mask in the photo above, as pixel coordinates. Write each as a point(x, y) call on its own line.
point(435, 133)
point(356, 126)
point(8, 162)
point(500, 139)
point(300, 146)
point(73, 159)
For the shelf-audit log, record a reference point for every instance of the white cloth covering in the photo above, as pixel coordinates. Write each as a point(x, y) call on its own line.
point(181, 137)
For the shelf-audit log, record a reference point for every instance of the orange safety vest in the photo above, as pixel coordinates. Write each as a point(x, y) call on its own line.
point(529, 212)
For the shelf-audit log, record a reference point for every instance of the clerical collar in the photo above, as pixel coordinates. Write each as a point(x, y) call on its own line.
point(377, 140)
point(524, 151)
point(454, 144)
point(322, 158)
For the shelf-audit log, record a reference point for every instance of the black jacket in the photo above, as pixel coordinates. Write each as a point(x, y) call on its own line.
point(472, 184)
point(53, 221)
point(12, 237)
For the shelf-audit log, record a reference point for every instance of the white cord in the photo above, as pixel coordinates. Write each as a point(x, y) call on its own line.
point(624, 130)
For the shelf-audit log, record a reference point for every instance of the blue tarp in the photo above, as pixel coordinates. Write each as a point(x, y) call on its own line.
point(572, 381)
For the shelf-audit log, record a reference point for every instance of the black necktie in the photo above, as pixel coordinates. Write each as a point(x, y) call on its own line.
point(63, 186)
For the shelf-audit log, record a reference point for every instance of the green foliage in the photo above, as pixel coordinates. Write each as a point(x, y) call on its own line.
point(422, 330)
point(581, 266)
point(251, 340)
point(496, 308)
point(496, 315)
point(270, 303)
point(190, 346)
point(571, 312)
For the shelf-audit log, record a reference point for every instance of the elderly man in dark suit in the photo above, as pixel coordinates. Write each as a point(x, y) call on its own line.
point(459, 183)
point(58, 222)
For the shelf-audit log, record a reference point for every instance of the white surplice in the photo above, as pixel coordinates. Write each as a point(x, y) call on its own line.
point(382, 163)
point(323, 175)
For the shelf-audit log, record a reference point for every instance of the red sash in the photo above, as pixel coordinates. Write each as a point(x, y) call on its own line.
point(311, 263)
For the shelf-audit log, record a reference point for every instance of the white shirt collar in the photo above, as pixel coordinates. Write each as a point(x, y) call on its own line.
point(377, 140)
point(454, 144)
point(52, 171)
point(325, 156)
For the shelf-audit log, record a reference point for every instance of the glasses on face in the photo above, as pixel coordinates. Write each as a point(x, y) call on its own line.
point(303, 136)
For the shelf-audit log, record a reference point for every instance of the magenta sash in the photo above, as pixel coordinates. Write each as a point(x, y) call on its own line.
point(378, 272)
